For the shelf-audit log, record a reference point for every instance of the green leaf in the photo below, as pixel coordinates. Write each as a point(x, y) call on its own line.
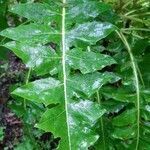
point(71, 118)
point(38, 33)
point(146, 94)
point(80, 121)
point(3, 25)
point(42, 59)
point(113, 106)
point(3, 9)
point(90, 83)
point(86, 10)
point(124, 133)
point(145, 70)
point(121, 94)
point(46, 13)
point(37, 11)
point(45, 90)
point(88, 61)
point(144, 144)
point(42, 91)
point(145, 112)
point(90, 32)
point(125, 119)
point(1, 133)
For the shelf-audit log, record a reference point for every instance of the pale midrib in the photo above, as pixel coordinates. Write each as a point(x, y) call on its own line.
point(64, 70)
point(136, 85)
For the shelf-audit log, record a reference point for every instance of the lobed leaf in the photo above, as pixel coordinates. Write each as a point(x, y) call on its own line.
point(90, 83)
point(125, 119)
point(80, 121)
point(86, 10)
point(89, 32)
point(32, 33)
point(37, 11)
point(88, 61)
point(43, 59)
point(72, 119)
point(45, 90)
point(121, 94)
point(42, 91)
point(124, 133)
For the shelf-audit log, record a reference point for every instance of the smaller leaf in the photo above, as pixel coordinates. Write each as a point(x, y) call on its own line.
point(144, 144)
point(88, 61)
point(121, 94)
point(125, 119)
point(146, 94)
point(32, 33)
point(41, 91)
point(90, 83)
point(145, 112)
point(90, 32)
point(36, 11)
point(41, 58)
point(124, 133)
point(113, 106)
point(86, 10)
point(1, 133)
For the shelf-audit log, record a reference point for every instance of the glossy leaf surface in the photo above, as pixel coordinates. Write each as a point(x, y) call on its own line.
point(80, 121)
point(41, 58)
point(57, 38)
point(88, 61)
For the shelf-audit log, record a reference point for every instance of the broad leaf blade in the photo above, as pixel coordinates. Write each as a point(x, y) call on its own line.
point(125, 119)
point(45, 90)
point(89, 33)
point(85, 11)
point(42, 59)
point(88, 61)
point(124, 133)
point(90, 83)
point(71, 120)
point(42, 91)
point(37, 11)
point(81, 121)
point(32, 33)
point(121, 94)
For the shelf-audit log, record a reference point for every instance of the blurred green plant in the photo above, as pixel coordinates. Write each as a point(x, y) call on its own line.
point(1, 133)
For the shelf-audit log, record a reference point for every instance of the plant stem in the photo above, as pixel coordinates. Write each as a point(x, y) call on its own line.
point(141, 14)
point(124, 40)
point(64, 49)
point(136, 29)
point(130, 12)
point(140, 76)
point(28, 76)
point(101, 123)
point(26, 82)
point(135, 35)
